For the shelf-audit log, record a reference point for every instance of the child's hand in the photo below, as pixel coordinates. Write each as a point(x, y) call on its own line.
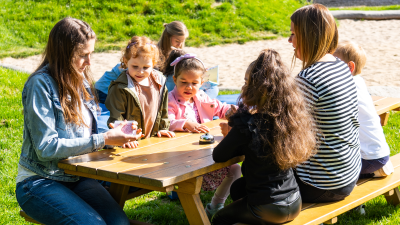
point(230, 111)
point(196, 127)
point(225, 128)
point(166, 133)
point(132, 144)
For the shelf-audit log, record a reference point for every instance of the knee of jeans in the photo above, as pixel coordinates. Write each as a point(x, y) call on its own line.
point(121, 220)
point(235, 171)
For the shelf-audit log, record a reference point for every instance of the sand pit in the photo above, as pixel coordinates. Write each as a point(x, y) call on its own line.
point(378, 38)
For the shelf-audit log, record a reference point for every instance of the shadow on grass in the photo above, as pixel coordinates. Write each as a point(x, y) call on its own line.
point(156, 208)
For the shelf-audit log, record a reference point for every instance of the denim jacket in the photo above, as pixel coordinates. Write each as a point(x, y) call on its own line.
point(47, 137)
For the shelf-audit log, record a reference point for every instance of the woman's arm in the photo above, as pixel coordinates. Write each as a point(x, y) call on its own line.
point(39, 115)
point(234, 144)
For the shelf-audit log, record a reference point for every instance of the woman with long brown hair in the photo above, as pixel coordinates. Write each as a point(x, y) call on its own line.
point(274, 130)
point(328, 86)
point(60, 120)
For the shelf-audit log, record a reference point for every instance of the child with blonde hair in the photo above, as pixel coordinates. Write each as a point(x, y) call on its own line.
point(374, 149)
point(139, 93)
point(188, 109)
point(173, 37)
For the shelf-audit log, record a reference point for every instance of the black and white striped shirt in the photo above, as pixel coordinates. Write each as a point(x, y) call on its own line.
point(331, 93)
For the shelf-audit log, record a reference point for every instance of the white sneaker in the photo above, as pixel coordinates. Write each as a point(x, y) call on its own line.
point(360, 209)
point(386, 170)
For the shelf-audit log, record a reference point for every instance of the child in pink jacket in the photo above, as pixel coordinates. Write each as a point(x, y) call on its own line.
point(188, 108)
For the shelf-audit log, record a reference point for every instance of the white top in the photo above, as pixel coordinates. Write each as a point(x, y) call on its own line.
point(24, 173)
point(372, 139)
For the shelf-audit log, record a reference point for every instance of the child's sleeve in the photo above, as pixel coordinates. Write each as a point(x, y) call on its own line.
point(116, 102)
point(176, 124)
point(165, 122)
point(220, 108)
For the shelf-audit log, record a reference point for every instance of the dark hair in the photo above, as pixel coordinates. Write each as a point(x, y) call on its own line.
point(66, 38)
point(273, 94)
point(167, 69)
point(190, 64)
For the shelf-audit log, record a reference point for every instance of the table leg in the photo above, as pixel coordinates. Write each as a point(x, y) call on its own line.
point(119, 193)
point(193, 208)
point(384, 118)
point(188, 192)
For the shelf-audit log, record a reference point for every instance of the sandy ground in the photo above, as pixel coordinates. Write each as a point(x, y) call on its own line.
point(378, 38)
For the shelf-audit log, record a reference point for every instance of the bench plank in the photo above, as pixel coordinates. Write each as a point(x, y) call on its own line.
point(386, 105)
point(322, 212)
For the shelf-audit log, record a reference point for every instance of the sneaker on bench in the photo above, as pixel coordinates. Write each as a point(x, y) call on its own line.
point(386, 170)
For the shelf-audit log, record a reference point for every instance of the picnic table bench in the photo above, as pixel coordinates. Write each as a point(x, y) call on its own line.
point(177, 164)
point(383, 106)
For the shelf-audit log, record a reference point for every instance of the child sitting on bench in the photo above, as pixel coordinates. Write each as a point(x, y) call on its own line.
point(374, 149)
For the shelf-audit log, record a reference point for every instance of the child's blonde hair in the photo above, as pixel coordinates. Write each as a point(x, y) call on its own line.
point(316, 33)
point(351, 51)
point(175, 28)
point(140, 46)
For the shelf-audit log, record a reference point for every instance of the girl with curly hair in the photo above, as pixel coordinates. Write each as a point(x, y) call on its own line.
point(274, 130)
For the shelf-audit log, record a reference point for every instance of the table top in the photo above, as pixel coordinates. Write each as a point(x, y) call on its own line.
point(158, 162)
point(161, 162)
point(385, 104)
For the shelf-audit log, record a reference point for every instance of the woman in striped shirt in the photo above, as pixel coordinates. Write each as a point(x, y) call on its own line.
point(330, 91)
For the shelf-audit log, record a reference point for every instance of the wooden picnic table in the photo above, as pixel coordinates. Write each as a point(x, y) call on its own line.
point(383, 106)
point(169, 164)
point(158, 164)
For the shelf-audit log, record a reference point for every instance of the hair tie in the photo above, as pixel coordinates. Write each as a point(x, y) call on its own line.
point(186, 56)
point(132, 43)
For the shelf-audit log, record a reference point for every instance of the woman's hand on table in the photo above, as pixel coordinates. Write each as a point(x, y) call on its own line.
point(117, 137)
point(225, 128)
point(196, 127)
point(165, 133)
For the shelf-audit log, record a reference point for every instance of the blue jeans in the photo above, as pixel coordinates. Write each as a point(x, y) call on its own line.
point(82, 202)
point(370, 166)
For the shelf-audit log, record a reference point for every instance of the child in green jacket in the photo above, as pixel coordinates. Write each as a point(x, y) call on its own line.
point(139, 93)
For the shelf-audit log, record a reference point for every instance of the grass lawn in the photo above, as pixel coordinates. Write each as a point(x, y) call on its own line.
point(25, 25)
point(154, 207)
point(369, 8)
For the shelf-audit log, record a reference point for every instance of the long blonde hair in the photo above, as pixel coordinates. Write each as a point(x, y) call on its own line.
point(316, 32)
point(285, 124)
point(65, 40)
point(175, 28)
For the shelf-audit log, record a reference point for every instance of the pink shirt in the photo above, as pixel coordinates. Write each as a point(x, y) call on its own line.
point(179, 111)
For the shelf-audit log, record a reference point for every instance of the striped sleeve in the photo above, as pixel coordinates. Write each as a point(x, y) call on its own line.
point(331, 94)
